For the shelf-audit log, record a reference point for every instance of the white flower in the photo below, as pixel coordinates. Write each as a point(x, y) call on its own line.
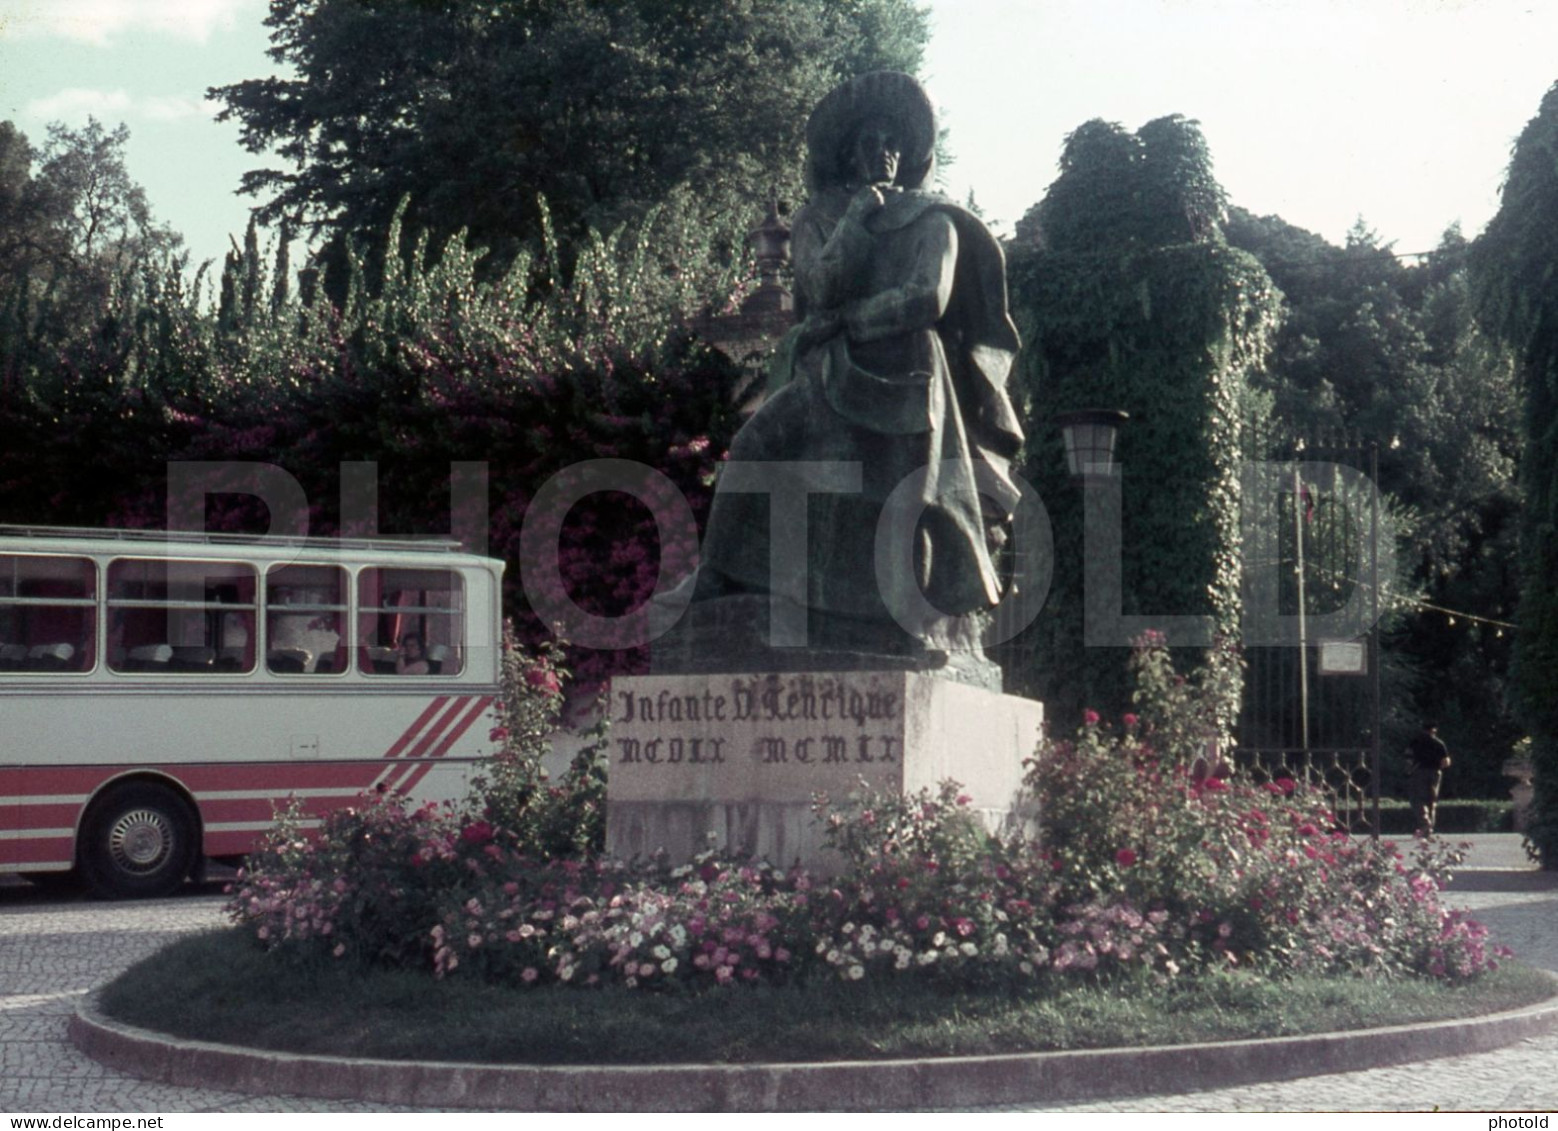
point(668, 966)
point(856, 973)
point(940, 939)
point(969, 949)
point(662, 952)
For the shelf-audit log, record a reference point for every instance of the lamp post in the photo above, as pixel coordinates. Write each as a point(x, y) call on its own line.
point(1089, 434)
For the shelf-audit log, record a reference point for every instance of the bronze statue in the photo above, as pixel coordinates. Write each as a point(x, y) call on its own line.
point(898, 365)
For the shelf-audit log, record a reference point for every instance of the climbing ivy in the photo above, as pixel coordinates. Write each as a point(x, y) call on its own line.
point(1132, 300)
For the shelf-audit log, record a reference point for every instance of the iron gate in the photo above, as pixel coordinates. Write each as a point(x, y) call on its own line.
point(1313, 594)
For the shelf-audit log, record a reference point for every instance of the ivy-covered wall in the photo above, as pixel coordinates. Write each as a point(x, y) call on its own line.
point(1159, 317)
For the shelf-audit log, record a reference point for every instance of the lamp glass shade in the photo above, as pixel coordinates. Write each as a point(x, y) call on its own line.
point(1090, 436)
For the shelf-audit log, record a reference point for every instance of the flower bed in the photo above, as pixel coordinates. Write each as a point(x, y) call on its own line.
point(1152, 860)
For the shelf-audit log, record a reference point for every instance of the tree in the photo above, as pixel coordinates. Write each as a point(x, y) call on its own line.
point(77, 240)
point(1517, 301)
point(30, 214)
point(605, 108)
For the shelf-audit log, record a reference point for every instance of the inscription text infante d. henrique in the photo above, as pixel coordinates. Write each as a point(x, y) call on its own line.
point(760, 700)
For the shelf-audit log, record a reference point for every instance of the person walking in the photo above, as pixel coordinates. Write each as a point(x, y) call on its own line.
point(1429, 758)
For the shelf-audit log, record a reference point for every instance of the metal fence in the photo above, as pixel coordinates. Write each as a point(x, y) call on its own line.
point(1311, 705)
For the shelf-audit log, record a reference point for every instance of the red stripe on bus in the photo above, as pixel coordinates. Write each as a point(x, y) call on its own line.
point(437, 730)
point(402, 776)
point(82, 781)
point(478, 708)
point(54, 815)
point(405, 739)
point(43, 850)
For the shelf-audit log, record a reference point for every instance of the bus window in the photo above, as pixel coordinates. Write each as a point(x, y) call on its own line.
point(48, 613)
point(180, 616)
point(305, 619)
point(411, 621)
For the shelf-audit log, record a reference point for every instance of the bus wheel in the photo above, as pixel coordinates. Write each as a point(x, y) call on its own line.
point(138, 843)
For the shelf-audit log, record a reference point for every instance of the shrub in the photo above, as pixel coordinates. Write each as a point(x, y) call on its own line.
point(1147, 815)
point(528, 813)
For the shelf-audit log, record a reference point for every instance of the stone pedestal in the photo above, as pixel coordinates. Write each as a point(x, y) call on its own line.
point(739, 755)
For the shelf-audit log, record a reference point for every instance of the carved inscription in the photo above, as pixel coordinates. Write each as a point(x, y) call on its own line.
point(796, 720)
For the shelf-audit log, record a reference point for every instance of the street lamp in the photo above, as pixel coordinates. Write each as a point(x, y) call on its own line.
point(1089, 435)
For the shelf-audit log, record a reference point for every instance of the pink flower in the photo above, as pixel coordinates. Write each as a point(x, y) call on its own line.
point(1125, 858)
point(1129, 720)
point(478, 833)
point(529, 974)
point(543, 680)
point(1090, 717)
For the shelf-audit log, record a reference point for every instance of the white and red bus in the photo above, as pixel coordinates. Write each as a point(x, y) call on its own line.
point(162, 693)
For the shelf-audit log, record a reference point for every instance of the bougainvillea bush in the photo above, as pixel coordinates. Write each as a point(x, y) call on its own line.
point(1151, 859)
point(430, 372)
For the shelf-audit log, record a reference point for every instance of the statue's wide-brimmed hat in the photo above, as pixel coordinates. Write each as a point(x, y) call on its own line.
point(890, 96)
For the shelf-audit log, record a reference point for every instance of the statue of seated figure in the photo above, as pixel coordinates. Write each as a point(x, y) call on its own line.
point(864, 499)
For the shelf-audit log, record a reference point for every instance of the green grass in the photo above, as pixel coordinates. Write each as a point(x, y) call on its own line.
point(221, 987)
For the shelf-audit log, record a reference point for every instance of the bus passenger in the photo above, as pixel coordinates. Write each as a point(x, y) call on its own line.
point(411, 659)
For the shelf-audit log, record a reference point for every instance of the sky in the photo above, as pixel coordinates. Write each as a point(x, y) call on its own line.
point(1401, 112)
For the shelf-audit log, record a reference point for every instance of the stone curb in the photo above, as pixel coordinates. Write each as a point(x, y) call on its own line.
point(889, 1085)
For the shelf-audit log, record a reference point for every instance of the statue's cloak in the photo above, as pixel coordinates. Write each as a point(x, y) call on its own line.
point(921, 409)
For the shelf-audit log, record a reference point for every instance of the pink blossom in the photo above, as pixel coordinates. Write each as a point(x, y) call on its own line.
point(1125, 858)
point(544, 680)
point(1090, 717)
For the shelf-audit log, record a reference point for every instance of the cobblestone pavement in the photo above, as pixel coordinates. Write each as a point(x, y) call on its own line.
point(51, 951)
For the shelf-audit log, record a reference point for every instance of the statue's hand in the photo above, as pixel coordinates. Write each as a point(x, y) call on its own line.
point(867, 199)
point(818, 328)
